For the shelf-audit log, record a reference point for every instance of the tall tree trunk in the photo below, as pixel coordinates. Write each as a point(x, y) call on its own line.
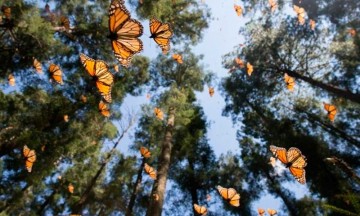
point(193, 191)
point(159, 186)
point(135, 189)
point(78, 206)
point(336, 91)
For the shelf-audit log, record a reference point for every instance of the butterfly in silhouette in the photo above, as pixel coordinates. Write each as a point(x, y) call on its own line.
point(292, 159)
point(230, 195)
point(124, 33)
point(331, 110)
point(161, 33)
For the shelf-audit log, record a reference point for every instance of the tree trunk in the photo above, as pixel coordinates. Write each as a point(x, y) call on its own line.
point(159, 186)
point(135, 189)
point(336, 91)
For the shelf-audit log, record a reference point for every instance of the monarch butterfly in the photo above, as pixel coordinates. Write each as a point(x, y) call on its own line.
point(271, 212)
point(161, 33)
point(103, 109)
point(290, 82)
point(11, 80)
point(148, 96)
point(352, 32)
point(208, 197)
point(239, 62)
point(37, 65)
point(156, 197)
point(238, 9)
point(201, 210)
point(272, 161)
point(30, 156)
point(116, 68)
point(230, 195)
point(6, 11)
point(312, 24)
point(56, 73)
point(261, 211)
point(145, 152)
point(300, 12)
point(151, 171)
point(71, 188)
point(331, 109)
point(211, 91)
point(64, 21)
point(158, 113)
point(99, 71)
point(250, 68)
point(66, 118)
point(83, 98)
point(177, 58)
point(293, 159)
point(124, 33)
point(273, 5)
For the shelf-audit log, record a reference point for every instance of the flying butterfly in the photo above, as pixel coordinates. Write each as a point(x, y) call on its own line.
point(249, 69)
point(158, 113)
point(312, 24)
point(99, 70)
point(272, 161)
point(178, 58)
point(55, 73)
point(230, 195)
point(71, 188)
point(240, 62)
point(151, 171)
point(300, 12)
point(273, 5)
point(30, 157)
point(261, 212)
point(293, 159)
point(290, 82)
point(6, 11)
point(104, 109)
point(161, 33)
point(66, 118)
point(238, 9)
point(271, 212)
point(11, 80)
point(352, 32)
point(145, 152)
point(124, 33)
point(331, 109)
point(37, 65)
point(64, 21)
point(156, 197)
point(83, 98)
point(211, 91)
point(201, 210)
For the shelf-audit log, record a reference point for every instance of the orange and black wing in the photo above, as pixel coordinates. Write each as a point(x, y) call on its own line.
point(280, 153)
point(178, 58)
point(103, 109)
point(30, 156)
point(290, 82)
point(145, 152)
point(230, 195)
point(250, 68)
point(124, 33)
point(37, 65)
point(161, 33)
point(151, 171)
point(298, 162)
point(331, 109)
point(201, 210)
point(56, 73)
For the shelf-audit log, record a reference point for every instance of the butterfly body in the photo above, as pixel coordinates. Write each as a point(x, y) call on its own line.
point(292, 159)
point(124, 33)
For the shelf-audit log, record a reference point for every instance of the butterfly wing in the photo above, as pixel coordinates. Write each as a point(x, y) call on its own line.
point(103, 109)
point(298, 162)
point(37, 66)
point(331, 109)
point(161, 33)
point(280, 153)
point(234, 197)
point(124, 33)
point(261, 211)
point(56, 73)
point(30, 156)
point(200, 209)
point(250, 68)
point(145, 152)
point(149, 170)
point(290, 82)
point(104, 81)
point(272, 212)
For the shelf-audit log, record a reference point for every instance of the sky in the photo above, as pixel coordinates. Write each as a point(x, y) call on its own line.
point(220, 38)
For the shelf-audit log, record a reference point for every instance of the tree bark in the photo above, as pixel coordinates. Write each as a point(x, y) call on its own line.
point(334, 90)
point(159, 187)
point(135, 189)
